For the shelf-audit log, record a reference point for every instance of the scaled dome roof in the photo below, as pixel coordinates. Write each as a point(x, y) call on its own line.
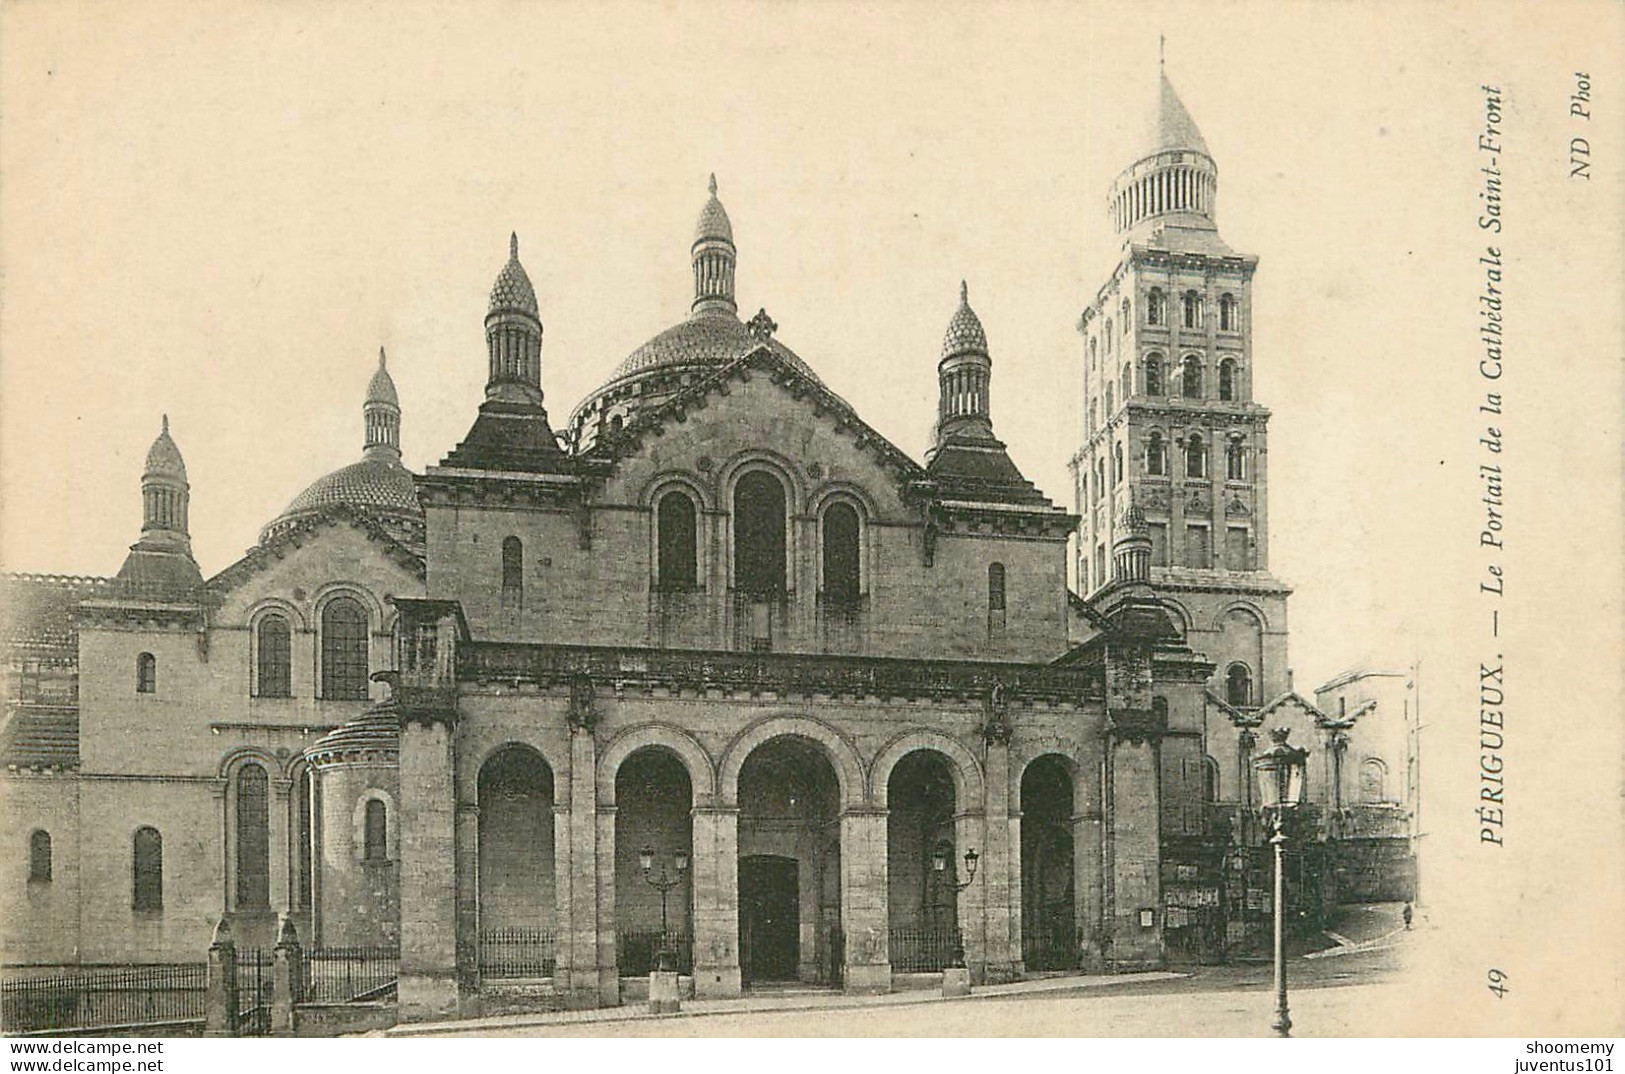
point(164, 457)
point(513, 290)
point(378, 488)
point(965, 334)
point(710, 340)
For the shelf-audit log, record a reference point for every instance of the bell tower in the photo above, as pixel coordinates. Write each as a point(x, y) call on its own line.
point(1172, 437)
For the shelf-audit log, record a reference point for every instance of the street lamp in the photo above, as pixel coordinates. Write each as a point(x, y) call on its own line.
point(1280, 788)
point(646, 858)
point(939, 863)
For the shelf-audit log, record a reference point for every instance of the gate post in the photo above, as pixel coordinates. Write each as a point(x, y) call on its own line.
point(220, 992)
point(287, 979)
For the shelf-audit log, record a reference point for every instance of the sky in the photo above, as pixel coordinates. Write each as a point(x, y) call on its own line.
point(221, 214)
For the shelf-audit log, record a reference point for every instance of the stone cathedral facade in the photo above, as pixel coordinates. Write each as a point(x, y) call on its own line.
point(714, 618)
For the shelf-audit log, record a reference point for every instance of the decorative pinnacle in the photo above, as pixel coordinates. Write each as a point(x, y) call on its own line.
point(1162, 49)
point(964, 294)
point(166, 424)
point(513, 244)
point(713, 184)
point(380, 357)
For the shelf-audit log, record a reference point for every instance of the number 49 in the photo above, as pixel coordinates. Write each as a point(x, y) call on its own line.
point(1497, 983)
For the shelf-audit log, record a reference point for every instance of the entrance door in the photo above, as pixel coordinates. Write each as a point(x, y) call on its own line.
point(769, 918)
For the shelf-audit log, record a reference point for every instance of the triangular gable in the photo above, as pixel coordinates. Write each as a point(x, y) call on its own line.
point(1289, 702)
point(267, 553)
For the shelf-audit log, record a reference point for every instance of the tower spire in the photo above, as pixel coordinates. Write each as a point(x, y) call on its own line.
point(513, 334)
point(963, 375)
point(714, 257)
point(381, 414)
point(160, 564)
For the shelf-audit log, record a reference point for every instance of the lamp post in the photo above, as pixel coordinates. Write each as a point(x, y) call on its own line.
point(667, 958)
point(939, 863)
point(1280, 772)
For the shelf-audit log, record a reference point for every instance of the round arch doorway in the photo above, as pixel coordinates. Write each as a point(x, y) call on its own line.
point(1049, 932)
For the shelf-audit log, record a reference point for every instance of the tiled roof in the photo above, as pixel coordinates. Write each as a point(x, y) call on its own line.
point(513, 291)
point(38, 609)
point(164, 457)
point(965, 334)
point(713, 222)
point(377, 487)
point(40, 736)
point(711, 339)
point(381, 389)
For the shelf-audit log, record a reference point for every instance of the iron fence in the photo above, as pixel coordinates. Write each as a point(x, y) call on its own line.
point(1050, 945)
point(923, 950)
point(517, 953)
point(255, 973)
point(350, 974)
point(637, 952)
point(79, 997)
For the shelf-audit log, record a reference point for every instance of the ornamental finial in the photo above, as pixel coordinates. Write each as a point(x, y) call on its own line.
point(166, 424)
point(713, 184)
point(380, 357)
point(964, 294)
point(513, 244)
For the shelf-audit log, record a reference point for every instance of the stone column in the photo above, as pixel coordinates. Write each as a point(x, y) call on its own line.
point(1001, 869)
point(1086, 859)
point(1136, 881)
point(287, 979)
point(716, 902)
point(281, 846)
point(863, 900)
point(220, 994)
point(970, 830)
point(576, 979)
point(468, 894)
point(609, 971)
point(428, 867)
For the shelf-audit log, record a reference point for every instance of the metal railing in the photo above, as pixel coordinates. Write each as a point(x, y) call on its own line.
point(1049, 945)
point(517, 952)
point(83, 997)
point(923, 950)
point(350, 974)
point(255, 973)
point(636, 952)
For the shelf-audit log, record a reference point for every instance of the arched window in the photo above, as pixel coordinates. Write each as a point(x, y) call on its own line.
point(1234, 462)
point(253, 838)
point(677, 566)
point(273, 658)
point(147, 870)
point(841, 574)
point(1117, 464)
point(513, 573)
point(1100, 478)
point(146, 674)
point(1156, 455)
point(1153, 375)
point(1128, 380)
point(1227, 313)
point(1092, 348)
point(1192, 305)
point(1227, 379)
point(759, 534)
point(995, 587)
point(1111, 400)
point(344, 650)
point(1210, 780)
point(375, 831)
point(1156, 307)
point(1195, 457)
point(1373, 780)
point(1191, 377)
point(1124, 311)
point(39, 857)
point(1107, 338)
point(1238, 685)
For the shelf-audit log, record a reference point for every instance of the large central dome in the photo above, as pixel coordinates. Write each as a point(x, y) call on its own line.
point(704, 340)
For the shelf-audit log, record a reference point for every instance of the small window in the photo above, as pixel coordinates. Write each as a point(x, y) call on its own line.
point(1156, 307)
point(1092, 350)
point(1128, 380)
point(375, 834)
point(273, 665)
point(1192, 309)
point(1111, 400)
point(39, 857)
point(1373, 780)
point(1191, 377)
point(146, 674)
point(1158, 532)
point(1156, 455)
point(995, 587)
point(676, 543)
point(1123, 310)
point(1107, 345)
point(1238, 549)
point(1227, 380)
point(344, 650)
point(1210, 780)
point(1198, 548)
point(1117, 464)
point(1235, 468)
point(1153, 375)
point(1238, 686)
point(1195, 457)
point(513, 573)
point(147, 870)
point(841, 574)
point(1227, 313)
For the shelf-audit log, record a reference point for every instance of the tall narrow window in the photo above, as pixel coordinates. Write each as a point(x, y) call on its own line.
point(995, 587)
point(1238, 551)
point(1153, 375)
point(1156, 455)
point(1107, 337)
point(375, 833)
point(1124, 311)
point(253, 838)
point(39, 857)
point(1193, 309)
point(1227, 379)
point(841, 580)
point(1156, 307)
point(1191, 377)
point(513, 573)
point(1195, 457)
point(1210, 780)
point(1111, 401)
point(304, 888)
point(1227, 313)
point(1117, 464)
point(1373, 780)
point(344, 650)
point(1198, 548)
point(1128, 380)
point(1234, 461)
point(273, 665)
point(1238, 685)
point(677, 569)
point(146, 674)
point(147, 870)
point(759, 534)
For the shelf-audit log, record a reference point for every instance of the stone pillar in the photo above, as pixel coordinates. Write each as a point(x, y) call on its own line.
point(287, 978)
point(1001, 869)
point(716, 902)
point(281, 846)
point(468, 894)
point(576, 979)
point(609, 970)
point(1136, 881)
point(428, 869)
point(863, 900)
point(1086, 859)
point(220, 989)
point(970, 831)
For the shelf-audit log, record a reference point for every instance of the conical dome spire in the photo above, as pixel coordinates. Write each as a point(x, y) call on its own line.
point(513, 334)
point(160, 564)
point(965, 334)
point(1173, 182)
point(963, 375)
point(512, 289)
point(381, 414)
point(1172, 126)
point(714, 258)
point(164, 458)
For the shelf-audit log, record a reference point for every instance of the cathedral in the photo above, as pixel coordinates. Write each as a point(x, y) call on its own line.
point(710, 669)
